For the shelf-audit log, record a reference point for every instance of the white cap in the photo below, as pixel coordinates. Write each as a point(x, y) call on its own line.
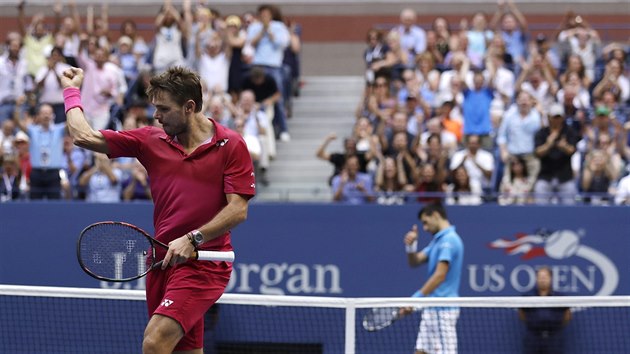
point(556, 109)
point(21, 136)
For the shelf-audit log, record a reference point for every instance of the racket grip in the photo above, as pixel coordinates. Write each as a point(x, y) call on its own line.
point(157, 265)
point(224, 256)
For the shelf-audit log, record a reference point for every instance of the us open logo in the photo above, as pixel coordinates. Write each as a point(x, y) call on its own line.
point(565, 245)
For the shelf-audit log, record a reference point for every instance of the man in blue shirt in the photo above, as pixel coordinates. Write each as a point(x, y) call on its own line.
point(444, 255)
point(351, 186)
point(46, 151)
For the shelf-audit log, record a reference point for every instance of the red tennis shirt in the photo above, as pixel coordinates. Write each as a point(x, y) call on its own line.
point(188, 189)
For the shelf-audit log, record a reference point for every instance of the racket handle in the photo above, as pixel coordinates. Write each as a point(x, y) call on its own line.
point(206, 256)
point(157, 265)
point(224, 256)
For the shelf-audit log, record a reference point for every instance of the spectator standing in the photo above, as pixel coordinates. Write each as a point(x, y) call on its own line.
point(46, 153)
point(512, 27)
point(171, 33)
point(554, 146)
point(585, 42)
point(479, 35)
point(48, 82)
point(12, 78)
point(269, 38)
point(413, 39)
point(291, 65)
point(67, 31)
point(478, 98)
point(539, 83)
point(267, 96)
point(127, 59)
point(36, 38)
point(139, 48)
point(100, 88)
point(441, 28)
point(517, 130)
point(212, 61)
point(235, 38)
point(479, 163)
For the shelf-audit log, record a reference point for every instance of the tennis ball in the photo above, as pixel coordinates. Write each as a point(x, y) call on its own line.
point(562, 244)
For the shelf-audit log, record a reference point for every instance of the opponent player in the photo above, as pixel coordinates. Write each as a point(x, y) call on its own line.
point(201, 179)
point(444, 254)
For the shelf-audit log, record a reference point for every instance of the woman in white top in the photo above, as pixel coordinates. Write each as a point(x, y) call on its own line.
point(48, 82)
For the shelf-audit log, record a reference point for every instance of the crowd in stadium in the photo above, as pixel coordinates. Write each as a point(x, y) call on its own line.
point(248, 65)
point(486, 111)
point(480, 111)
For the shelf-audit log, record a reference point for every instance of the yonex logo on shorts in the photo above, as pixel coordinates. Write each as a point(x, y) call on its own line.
point(166, 303)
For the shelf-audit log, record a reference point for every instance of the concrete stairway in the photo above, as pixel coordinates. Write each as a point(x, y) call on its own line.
point(326, 104)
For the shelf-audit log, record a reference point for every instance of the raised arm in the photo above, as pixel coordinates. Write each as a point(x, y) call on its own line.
point(321, 151)
point(80, 130)
point(414, 257)
point(21, 21)
point(518, 15)
point(57, 9)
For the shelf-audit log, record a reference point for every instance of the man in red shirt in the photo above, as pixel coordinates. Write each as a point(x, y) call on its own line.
point(201, 178)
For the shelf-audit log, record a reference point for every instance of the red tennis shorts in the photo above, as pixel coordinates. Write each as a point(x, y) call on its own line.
point(184, 293)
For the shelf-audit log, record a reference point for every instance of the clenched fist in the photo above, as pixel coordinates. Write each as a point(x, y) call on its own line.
point(72, 77)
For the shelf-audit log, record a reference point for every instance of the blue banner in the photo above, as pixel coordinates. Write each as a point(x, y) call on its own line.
point(350, 251)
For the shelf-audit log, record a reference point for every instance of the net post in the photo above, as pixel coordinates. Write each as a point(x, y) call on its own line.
point(350, 326)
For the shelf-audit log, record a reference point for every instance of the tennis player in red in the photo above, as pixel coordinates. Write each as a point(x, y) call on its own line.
point(201, 179)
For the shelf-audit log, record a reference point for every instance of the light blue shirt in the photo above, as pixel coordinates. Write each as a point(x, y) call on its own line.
point(414, 41)
point(351, 194)
point(446, 246)
point(517, 133)
point(268, 52)
point(46, 146)
point(515, 44)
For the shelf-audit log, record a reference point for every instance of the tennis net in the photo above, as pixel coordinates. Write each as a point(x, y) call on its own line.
point(72, 320)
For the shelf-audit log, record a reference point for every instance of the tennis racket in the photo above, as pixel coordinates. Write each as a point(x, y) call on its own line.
point(118, 252)
point(380, 317)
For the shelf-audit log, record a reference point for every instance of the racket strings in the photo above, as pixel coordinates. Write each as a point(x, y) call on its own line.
point(379, 318)
point(115, 251)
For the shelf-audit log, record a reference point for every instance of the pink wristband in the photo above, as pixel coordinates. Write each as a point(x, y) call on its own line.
point(72, 98)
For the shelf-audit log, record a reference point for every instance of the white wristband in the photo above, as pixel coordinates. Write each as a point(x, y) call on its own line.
point(412, 248)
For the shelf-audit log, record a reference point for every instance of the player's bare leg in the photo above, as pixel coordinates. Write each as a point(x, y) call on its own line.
point(162, 335)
